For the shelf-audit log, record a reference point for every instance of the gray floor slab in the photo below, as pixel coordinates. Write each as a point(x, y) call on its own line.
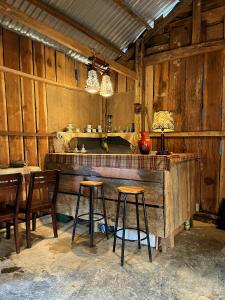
point(57, 269)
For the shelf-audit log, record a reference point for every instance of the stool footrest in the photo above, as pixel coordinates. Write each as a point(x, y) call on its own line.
point(94, 214)
point(131, 228)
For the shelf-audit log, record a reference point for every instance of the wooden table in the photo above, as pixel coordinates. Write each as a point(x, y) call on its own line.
point(23, 170)
point(172, 185)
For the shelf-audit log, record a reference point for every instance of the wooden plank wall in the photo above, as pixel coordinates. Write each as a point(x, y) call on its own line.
point(121, 104)
point(32, 106)
point(193, 89)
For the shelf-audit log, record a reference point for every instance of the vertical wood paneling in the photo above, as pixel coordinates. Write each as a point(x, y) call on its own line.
point(41, 101)
point(213, 90)
point(212, 107)
point(50, 61)
point(60, 67)
point(13, 94)
point(70, 72)
point(176, 101)
point(195, 91)
point(4, 154)
point(161, 85)
point(222, 163)
point(149, 97)
point(28, 101)
point(82, 75)
point(122, 84)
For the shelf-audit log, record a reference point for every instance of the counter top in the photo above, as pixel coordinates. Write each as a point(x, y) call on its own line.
point(125, 161)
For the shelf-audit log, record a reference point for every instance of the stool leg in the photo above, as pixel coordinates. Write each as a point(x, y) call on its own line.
point(76, 214)
point(104, 212)
point(146, 228)
point(116, 223)
point(124, 226)
point(138, 223)
point(91, 221)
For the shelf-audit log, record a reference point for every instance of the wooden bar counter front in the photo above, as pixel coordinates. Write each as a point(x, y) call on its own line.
point(172, 186)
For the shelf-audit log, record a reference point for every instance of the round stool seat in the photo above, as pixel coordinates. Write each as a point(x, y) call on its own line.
point(130, 189)
point(91, 183)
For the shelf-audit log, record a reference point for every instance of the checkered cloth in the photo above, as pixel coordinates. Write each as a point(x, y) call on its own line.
point(122, 161)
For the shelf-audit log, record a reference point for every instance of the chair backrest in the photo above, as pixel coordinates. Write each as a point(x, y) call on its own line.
point(10, 190)
point(43, 188)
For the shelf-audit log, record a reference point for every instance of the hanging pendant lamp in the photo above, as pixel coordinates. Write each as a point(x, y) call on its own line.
point(106, 89)
point(92, 83)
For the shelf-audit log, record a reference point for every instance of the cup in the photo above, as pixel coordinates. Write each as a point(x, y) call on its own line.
point(93, 129)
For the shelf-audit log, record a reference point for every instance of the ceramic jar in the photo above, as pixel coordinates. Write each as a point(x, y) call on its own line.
point(145, 143)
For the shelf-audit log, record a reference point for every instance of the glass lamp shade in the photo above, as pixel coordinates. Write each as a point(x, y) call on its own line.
point(92, 83)
point(106, 89)
point(163, 121)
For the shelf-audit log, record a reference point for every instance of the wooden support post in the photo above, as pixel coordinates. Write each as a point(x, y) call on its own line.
point(4, 141)
point(41, 101)
point(137, 117)
point(149, 81)
point(13, 94)
point(196, 22)
point(142, 85)
point(28, 101)
point(222, 161)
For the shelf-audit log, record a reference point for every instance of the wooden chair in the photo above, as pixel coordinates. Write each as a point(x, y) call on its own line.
point(42, 195)
point(10, 188)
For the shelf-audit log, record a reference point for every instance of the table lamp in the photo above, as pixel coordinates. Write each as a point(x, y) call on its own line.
point(163, 122)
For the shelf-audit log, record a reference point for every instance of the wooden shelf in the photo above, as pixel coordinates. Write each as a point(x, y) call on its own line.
point(97, 135)
point(131, 137)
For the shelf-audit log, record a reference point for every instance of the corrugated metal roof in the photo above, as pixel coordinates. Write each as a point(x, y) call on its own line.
point(104, 17)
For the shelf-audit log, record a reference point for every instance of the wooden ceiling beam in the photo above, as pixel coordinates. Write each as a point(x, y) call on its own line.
point(183, 52)
point(20, 17)
point(133, 14)
point(59, 15)
point(178, 9)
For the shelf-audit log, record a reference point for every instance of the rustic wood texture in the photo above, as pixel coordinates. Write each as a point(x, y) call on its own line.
point(41, 91)
point(13, 94)
point(28, 101)
point(187, 58)
point(41, 102)
point(4, 157)
point(19, 16)
point(171, 196)
point(195, 93)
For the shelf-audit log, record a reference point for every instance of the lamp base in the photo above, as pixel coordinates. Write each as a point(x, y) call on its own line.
point(165, 152)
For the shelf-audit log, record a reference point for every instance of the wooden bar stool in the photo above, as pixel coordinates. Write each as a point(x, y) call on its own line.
point(91, 185)
point(136, 191)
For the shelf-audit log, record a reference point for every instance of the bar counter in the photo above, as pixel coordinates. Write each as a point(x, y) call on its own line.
point(172, 185)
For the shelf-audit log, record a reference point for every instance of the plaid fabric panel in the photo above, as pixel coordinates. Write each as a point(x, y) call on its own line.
point(124, 161)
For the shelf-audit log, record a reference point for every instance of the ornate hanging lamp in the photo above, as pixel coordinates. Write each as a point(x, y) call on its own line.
point(92, 83)
point(106, 89)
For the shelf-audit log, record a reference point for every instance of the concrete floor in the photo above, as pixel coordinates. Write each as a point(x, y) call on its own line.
point(53, 269)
